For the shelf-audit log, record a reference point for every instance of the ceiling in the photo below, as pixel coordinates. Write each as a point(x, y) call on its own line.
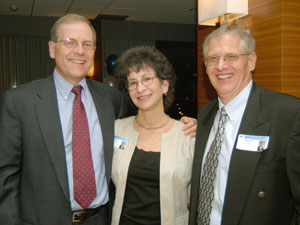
point(161, 11)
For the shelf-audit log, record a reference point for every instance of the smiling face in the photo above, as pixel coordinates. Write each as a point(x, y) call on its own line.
point(73, 63)
point(147, 98)
point(229, 79)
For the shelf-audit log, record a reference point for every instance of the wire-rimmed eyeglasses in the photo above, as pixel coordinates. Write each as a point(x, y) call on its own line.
point(73, 43)
point(214, 60)
point(133, 84)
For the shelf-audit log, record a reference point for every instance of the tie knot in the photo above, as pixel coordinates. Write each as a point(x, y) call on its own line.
point(77, 90)
point(223, 112)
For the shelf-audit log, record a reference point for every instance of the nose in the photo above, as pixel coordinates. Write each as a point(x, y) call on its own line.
point(221, 64)
point(140, 87)
point(79, 49)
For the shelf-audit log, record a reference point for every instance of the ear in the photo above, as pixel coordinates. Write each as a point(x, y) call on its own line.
point(252, 61)
point(51, 49)
point(165, 86)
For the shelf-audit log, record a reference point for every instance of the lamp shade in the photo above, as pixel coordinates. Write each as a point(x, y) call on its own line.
point(209, 11)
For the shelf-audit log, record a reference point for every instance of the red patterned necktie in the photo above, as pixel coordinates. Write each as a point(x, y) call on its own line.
point(83, 171)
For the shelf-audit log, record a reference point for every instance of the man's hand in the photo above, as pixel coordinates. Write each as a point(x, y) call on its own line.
point(190, 126)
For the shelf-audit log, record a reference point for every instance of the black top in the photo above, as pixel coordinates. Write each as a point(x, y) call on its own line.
point(141, 204)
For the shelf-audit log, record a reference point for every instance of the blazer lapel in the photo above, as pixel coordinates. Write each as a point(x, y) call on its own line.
point(106, 117)
point(243, 163)
point(49, 120)
point(203, 132)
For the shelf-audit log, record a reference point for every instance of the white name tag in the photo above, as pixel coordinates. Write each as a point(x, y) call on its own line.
point(253, 143)
point(120, 142)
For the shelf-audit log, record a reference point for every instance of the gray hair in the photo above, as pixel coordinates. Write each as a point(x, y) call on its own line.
point(69, 19)
point(247, 43)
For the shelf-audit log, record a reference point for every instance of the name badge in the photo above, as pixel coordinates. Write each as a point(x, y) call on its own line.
point(254, 143)
point(120, 142)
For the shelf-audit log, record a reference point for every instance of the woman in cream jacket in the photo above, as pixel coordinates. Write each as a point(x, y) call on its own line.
point(152, 156)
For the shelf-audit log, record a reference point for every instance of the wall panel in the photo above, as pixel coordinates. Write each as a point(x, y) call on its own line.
point(291, 47)
point(205, 90)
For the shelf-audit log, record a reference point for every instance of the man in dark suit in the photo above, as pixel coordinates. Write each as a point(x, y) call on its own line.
point(37, 178)
point(36, 181)
point(253, 183)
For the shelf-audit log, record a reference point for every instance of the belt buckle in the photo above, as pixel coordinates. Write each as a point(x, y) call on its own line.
point(74, 220)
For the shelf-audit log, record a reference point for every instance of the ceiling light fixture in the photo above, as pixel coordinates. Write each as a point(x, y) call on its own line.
point(212, 12)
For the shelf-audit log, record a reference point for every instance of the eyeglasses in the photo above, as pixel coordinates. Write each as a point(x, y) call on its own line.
point(133, 84)
point(214, 60)
point(73, 43)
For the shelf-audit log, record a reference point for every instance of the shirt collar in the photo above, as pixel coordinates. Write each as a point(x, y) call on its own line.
point(64, 87)
point(237, 104)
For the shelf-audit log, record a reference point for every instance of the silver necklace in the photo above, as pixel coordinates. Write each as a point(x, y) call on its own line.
point(147, 127)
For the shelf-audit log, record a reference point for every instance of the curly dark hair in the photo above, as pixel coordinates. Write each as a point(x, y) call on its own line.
point(137, 58)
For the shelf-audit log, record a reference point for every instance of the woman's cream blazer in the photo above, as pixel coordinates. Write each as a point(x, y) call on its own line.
point(177, 152)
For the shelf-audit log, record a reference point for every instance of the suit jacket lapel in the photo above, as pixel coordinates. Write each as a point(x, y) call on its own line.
point(106, 117)
point(243, 163)
point(49, 120)
point(204, 131)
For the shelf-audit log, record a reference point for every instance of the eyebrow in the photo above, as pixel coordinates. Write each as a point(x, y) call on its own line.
point(142, 76)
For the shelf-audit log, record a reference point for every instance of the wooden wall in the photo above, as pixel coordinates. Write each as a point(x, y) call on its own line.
point(205, 90)
point(275, 24)
point(291, 47)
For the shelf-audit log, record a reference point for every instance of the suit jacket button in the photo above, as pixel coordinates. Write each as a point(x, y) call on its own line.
point(261, 194)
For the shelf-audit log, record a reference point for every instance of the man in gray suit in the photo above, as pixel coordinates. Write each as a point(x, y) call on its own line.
point(257, 176)
point(36, 135)
point(36, 173)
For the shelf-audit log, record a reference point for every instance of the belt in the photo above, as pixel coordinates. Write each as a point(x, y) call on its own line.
point(79, 216)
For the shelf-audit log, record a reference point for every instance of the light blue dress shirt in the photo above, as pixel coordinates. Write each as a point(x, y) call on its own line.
point(235, 110)
point(65, 99)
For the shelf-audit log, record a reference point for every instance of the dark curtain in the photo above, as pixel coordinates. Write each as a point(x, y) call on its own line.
point(23, 59)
